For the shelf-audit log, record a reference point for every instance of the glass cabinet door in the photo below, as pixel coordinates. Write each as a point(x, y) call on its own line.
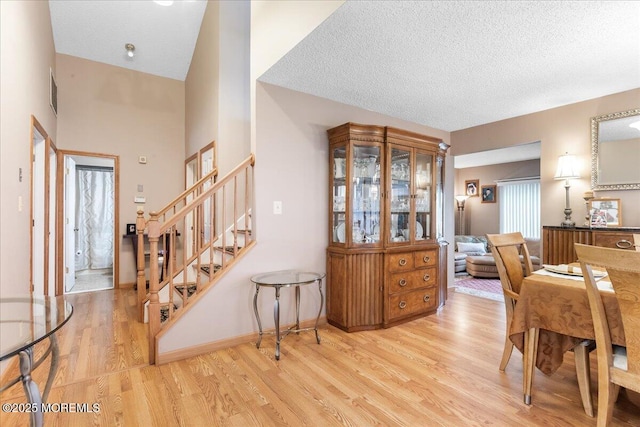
point(400, 196)
point(423, 194)
point(365, 194)
point(339, 192)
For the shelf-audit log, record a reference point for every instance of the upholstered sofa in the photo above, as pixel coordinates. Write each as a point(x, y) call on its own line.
point(473, 255)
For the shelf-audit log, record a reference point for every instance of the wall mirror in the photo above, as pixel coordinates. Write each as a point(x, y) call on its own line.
point(615, 151)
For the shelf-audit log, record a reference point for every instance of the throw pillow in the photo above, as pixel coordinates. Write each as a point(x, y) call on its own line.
point(471, 248)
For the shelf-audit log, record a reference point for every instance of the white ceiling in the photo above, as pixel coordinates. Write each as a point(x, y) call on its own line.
point(164, 36)
point(456, 64)
point(445, 64)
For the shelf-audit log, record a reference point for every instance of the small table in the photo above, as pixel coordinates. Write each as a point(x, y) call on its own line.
point(286, 279)
point(24, 322)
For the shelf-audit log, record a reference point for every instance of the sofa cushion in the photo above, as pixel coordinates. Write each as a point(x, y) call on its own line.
point(472, 248)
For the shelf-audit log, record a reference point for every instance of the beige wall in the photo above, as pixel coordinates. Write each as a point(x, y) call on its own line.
point(217, 85)
point(27, 54)
point(482, 218)
point(112, 110)
point(560, 130)
point(292, 167)
point(201, 85)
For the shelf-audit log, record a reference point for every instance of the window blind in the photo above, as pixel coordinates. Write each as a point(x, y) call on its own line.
point(520, 207)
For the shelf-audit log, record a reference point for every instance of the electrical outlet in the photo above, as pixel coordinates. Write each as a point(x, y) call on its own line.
point(277, 208)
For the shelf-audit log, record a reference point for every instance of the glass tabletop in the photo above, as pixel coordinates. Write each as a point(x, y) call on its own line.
point(286, 278)
point(26, 320)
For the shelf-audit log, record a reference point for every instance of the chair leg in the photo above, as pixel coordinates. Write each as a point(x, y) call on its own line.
point(506, 353)
point(581, 353)
point(529, 356)
point(606, 394)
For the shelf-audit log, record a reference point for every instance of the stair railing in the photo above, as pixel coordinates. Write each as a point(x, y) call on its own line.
point(141, 228)
point(212, 220)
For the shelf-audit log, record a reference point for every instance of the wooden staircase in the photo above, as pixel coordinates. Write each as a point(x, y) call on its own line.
point(195, 239)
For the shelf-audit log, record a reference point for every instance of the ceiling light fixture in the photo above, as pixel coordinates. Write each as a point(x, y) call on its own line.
point(635, 125)
point(130, 49)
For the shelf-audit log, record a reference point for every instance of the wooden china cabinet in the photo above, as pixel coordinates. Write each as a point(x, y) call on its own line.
point(386, 260)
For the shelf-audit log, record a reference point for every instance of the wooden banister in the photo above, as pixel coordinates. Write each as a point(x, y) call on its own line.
point(199, 218)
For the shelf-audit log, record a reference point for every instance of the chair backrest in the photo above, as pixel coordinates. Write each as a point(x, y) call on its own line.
point(623, 269)
point(510, 253)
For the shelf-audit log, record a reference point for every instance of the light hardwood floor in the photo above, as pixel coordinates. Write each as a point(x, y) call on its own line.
point(441, 370)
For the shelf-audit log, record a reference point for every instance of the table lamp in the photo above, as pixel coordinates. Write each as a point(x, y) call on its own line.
point(567, 170)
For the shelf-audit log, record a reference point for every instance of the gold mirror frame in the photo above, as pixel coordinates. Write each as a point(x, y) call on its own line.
point(595, 150)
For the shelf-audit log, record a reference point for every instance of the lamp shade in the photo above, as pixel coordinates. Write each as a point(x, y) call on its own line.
point(461, 198)
point(566, 167)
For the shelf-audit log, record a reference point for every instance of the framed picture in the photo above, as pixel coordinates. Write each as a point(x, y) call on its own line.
point(598, 220)
point(607, 211)
point(488, 193)
point(131, 229)
point(53, 92)
point(471, 187)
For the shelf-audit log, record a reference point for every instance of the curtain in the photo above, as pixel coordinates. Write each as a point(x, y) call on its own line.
point(94, 218)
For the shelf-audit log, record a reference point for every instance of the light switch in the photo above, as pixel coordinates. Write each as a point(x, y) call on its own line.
point(277, 208)
point(140, 188)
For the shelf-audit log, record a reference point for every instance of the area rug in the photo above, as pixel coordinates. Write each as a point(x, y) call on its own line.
point(483, 288)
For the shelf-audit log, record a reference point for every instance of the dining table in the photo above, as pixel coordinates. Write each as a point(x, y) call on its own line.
point(26, 320)
point(552, 316)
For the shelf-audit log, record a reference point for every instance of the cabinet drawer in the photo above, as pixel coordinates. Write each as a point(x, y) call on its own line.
point(425, 258)
point(412, 279)
point(612, 240)
point(418, 301)
point(400, 262)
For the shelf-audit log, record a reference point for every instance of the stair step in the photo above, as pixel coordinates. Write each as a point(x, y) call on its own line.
point(164, 311)
point(205, 268)
point(227, 249)
point(191, 288)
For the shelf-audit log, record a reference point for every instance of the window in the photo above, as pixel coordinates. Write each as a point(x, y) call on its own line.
point(520, 207)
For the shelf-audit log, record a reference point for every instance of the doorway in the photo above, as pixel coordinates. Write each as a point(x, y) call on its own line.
point(90, 206)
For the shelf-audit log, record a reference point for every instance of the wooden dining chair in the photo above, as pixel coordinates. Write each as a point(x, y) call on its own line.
point(514, 264)
point(619, 366)
point(507, 250)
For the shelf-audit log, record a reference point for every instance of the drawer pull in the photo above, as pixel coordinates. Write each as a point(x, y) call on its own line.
point(403, 282)
point(402, 262)
point(624, 244)
point(402, 304)
point(426, 277)
point(426, 258)
point(426, 298)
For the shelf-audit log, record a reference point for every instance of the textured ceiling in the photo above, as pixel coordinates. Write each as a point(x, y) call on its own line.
point(456, 64)
point(164, 36)
point(445, 64)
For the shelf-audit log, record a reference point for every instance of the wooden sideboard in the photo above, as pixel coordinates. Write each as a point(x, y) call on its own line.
point(557, 242)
